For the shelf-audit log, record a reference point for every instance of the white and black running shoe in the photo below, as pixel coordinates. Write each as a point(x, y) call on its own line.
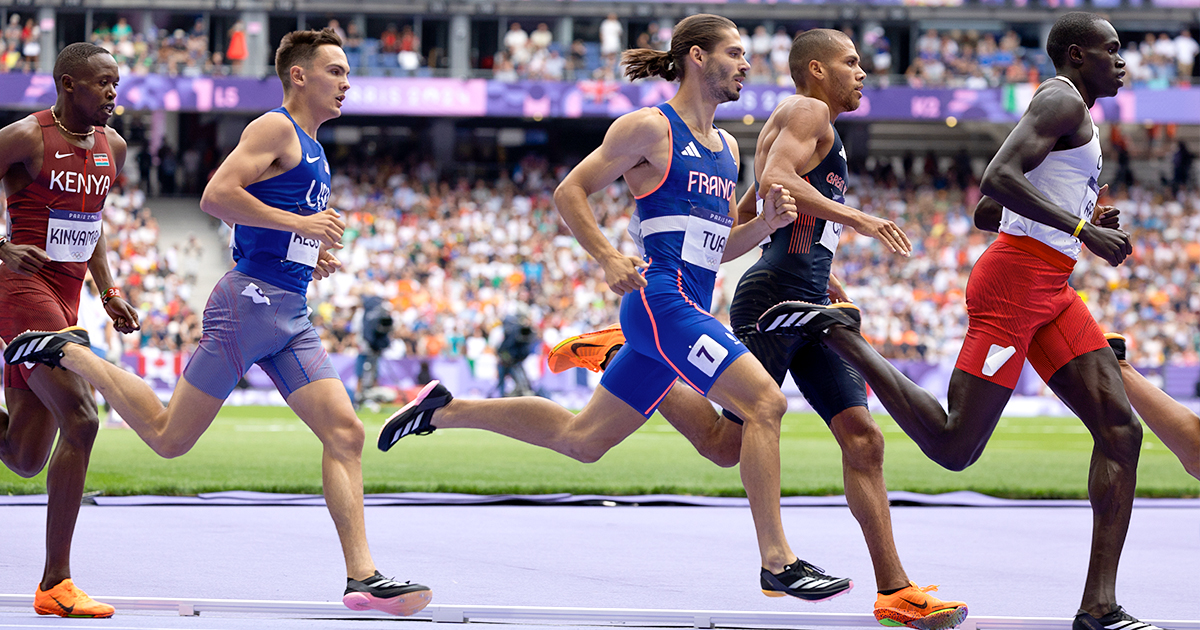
point(416, 417)
point(385, 594)
point(804, 319)
point(803, 580)
point(45, 347)
point(1118, 619)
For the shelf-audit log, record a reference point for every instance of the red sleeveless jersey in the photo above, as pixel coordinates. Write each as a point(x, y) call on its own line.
point(59, 210)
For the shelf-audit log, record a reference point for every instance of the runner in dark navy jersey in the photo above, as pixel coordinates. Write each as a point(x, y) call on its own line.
point(274, 189)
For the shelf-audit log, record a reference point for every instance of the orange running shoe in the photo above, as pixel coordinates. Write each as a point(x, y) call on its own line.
point(591, 350)
point(912, 607)
point(66, 600)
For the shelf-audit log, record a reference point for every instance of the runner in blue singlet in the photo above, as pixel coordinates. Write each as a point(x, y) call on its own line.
point(274, 189)
point(682, 169)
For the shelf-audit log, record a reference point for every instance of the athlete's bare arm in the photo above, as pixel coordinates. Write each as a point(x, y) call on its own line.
point(268, 147)
point(123, 315)
point(989, 212)
point(21, 154)
point(802, 123)
point(637, 145)
point(750, 228)
point(1055, 113)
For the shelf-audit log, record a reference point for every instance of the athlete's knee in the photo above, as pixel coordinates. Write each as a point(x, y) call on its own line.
point(1120, 437)
point(27, 462)
point(588, 450)
point(345, 438)
point(862, 445)
point(767, 409)
point(79, 428)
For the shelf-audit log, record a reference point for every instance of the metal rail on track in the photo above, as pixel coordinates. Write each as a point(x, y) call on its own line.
point(451, 613)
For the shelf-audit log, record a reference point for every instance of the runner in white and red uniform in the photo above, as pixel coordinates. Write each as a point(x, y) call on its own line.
point(57, 166)
point(1020, 305)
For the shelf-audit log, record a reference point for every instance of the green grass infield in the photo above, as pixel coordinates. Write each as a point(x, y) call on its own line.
point(268, 449)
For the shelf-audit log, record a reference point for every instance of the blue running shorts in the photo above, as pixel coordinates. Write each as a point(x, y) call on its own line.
point(249, 321)
point(667, 337)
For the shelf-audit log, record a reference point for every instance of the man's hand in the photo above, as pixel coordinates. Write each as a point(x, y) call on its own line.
point(1111, 245)
point(621, 274)
point(124, 317)
point(887, 232)
point(327, 263)
point(326, 226)
point(837, 292)
point(779, 208)
point(1106, 216)
point(23, 259)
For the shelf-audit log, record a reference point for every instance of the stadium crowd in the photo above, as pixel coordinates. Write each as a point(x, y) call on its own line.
point(947, 58)
point(454, 257)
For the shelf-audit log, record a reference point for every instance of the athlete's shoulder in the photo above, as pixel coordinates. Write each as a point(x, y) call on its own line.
point(1055, 99)
point(731, 142)
point(22, 135)
point(638, 129)
point(114, 139)
point(802, 115)
point(644, 120)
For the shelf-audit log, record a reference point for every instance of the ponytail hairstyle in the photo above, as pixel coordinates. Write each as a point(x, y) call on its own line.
point(703, 30)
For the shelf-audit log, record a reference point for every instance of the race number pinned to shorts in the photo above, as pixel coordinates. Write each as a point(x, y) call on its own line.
point(305, 251)
point(71, 236)
point(707, 355)
point(830, 236)
point(704, 241)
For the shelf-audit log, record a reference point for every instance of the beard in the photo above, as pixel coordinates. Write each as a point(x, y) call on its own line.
point(715, 83)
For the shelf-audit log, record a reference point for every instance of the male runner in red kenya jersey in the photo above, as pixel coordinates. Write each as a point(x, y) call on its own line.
point(57, 167)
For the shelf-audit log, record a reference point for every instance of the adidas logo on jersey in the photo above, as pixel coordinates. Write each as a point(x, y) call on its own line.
point(691, 151)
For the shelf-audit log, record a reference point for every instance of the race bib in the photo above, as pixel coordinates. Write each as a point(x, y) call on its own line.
point(704, 241)
point(830, 236)
point(71, 235)
point(1088, 206)
point(304, 250)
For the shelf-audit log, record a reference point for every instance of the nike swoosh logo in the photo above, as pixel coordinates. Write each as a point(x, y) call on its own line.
point(921, 606)
point(66, 609)
point(312, 159)
point(61, 156)
point(575, 347)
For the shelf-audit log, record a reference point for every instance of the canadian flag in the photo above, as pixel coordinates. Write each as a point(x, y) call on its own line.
point(163, 366)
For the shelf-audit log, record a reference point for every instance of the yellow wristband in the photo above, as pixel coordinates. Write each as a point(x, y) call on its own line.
point(1079, 228)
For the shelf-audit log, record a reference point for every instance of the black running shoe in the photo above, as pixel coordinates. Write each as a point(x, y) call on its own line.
point(803, 580)
point(803, 319)
point(1116, 341)
point(416, 416)
point(1116, 620)
point(44, 347)
point(387, 595)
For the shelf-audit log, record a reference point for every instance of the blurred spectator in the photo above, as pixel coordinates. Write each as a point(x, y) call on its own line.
point(541, 37)
point(611, 36)
point(389, 41)
point(516, 44)
point(236, 53)
point(1186, 50)
point(409, 49)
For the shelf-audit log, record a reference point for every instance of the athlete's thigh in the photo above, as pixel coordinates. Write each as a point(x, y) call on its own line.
point(31, 430)
point(1072, 333)
point(1091, 386)
point(324, 406)
point(608, 418)
point(829, 384)
point(301, 362)
point(774, 353)
point(190, 412)
point(743, 385)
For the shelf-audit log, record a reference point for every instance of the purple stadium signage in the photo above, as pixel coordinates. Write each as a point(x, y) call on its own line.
point(586, 99)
